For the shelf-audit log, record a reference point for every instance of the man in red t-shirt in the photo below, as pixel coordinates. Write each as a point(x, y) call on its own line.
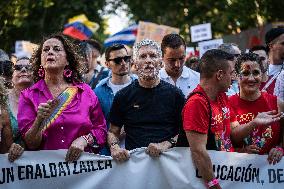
point(208, 105)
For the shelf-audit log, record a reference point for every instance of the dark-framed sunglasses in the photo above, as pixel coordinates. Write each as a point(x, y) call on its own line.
point(118, 60)
point(19, 67)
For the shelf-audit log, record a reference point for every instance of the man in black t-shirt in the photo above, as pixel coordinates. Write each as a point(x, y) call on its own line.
point(149, 109)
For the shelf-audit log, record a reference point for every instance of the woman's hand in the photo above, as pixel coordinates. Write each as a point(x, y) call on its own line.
point(15, 152)
point(267, 118)
point(119, 154)
point(251, 149)
point(45, 109)
point(75, 150)
point(275, 155)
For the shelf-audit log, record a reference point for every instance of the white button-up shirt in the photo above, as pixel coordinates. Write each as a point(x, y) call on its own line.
point(188, 80)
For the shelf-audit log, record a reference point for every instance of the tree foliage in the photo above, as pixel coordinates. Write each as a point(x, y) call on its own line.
point(30, 20)
point(226, 16)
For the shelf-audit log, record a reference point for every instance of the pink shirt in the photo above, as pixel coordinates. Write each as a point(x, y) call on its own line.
point(81, 117)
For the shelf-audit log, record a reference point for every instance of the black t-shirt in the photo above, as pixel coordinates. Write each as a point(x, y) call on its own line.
point(149, 115)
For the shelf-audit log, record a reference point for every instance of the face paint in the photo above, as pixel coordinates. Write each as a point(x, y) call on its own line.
point(148, 71)
point(247, 70)
point(148, 63)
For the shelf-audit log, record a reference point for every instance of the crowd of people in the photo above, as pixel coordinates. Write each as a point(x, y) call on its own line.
point(146, 96)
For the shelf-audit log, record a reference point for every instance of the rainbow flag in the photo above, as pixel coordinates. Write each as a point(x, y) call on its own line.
point(79, 27)
point(64, 99)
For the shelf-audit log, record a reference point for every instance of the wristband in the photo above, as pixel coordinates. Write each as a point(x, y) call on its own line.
point(91, 141)
point(278, 148)
point(113, 144)
point(213, 182)
point(173, 142)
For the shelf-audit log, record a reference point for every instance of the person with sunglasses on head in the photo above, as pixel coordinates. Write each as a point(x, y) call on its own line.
point(249, 102)
point(118, 61)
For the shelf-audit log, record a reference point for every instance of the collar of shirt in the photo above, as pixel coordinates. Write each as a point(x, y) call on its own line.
point(41, 86)
point(98, 68)
point(184, 74)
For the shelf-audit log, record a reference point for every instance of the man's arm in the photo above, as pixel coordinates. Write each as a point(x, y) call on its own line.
point(200, 156)
point(155, 149)
point(117, 153)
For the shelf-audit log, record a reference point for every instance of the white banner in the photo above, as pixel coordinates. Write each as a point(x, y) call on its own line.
point(172, 170)
point(207, 45)
point(201, 32)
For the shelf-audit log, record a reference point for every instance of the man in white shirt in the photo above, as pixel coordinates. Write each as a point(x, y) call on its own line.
point(174, 71)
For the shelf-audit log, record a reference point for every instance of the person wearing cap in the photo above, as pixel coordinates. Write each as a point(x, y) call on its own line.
point(234, 50)
point(175, 72)
point(274, 40)
point(148, 108)
point(118, 61)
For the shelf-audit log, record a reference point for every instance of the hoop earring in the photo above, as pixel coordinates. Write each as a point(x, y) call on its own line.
point(41, 72)
point(67, 73)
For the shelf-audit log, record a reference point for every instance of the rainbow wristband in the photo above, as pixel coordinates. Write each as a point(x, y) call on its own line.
point(213, 182)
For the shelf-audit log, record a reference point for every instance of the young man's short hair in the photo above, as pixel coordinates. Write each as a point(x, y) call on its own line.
point(94, 44)
point(214, 60)
point(113, 47)
point(173, 41)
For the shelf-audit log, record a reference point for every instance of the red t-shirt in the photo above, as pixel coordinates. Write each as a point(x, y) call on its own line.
point(196, 118)
point(245, 111)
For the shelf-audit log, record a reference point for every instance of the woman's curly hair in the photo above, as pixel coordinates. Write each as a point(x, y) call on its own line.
point(248, 57)
point(72, 56)
point(3, 92)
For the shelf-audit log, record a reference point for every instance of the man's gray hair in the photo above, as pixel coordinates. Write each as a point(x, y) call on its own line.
point(146, 42)
point(229, 48)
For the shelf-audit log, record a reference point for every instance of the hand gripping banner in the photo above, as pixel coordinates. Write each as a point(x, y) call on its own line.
point(172, 170)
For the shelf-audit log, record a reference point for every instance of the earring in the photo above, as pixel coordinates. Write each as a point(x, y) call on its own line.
point(67, 73)
point(41, 72)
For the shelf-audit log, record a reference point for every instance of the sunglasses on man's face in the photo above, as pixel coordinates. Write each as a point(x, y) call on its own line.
point(19, 67)
point(118, 60)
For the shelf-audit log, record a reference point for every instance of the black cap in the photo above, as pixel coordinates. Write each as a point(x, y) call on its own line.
point(272, 34)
